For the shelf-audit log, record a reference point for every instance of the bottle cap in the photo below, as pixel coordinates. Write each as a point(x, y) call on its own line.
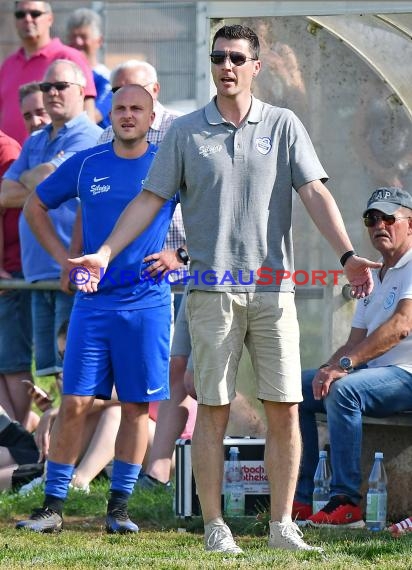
point(323, 453)
point(378, 455)
point(234, 450)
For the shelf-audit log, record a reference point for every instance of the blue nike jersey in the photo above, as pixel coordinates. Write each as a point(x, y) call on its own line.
point(105, 184)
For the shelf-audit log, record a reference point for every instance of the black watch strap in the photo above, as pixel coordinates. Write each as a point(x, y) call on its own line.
point(183, 255)
point(346, 256)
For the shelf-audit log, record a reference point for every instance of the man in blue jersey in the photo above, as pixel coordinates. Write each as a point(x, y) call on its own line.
point(121, 337)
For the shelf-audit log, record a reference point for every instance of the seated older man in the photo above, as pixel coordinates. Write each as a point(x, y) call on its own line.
point(371, 374)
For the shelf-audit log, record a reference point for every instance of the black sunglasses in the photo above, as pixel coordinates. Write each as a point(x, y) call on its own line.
point(59, 85)
point(21, 14)
point(236, 57)
point(370, 220)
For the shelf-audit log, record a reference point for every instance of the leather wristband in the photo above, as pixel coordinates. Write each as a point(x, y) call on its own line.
point(324, 365)
point(346, 256)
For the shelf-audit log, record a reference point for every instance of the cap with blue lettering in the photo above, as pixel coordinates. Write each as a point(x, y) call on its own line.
point(388, 200)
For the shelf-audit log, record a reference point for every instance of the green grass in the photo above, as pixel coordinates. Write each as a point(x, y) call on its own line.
point(167, 543)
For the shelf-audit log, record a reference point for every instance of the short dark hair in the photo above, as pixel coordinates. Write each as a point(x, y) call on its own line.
point(140, 88)
point(238, 32)
point(28, 89)
point(84, 17)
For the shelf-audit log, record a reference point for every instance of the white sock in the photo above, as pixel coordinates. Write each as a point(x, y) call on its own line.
point(217, 520)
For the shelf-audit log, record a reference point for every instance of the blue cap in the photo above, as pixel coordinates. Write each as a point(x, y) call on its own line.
point(388, 200)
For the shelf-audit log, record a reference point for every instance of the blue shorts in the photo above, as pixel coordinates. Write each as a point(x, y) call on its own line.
point(50, 309)
point(15, 330)
point(125, 349)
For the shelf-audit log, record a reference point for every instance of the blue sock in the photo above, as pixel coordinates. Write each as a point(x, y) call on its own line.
point(124, 476)
point(58, 477)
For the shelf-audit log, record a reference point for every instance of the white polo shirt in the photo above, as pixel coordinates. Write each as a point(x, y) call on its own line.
point(373, 311)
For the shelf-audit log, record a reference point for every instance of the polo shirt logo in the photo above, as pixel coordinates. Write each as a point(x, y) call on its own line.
point(263, 145)
point(390, 299)
point(208, 149)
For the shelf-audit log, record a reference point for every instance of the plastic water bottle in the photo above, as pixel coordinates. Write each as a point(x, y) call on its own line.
point(234, 487)
point(322, 478)
point(376, 499)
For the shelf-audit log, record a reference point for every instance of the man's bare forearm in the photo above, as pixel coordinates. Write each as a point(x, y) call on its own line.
point(32, 178)
point(43, 228)
point(388, 335)
point(13, 194)
point(76, 243)
point(133, 221)
point(323, 210)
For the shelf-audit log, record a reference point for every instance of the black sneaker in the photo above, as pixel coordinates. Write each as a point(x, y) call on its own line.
point(117, 521)
point(149, 483)
point(42, 520)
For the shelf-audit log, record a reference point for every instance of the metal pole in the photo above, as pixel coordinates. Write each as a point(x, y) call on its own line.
point(54, 285)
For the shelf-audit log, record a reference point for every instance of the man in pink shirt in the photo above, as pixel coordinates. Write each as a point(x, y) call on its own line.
point(29, 63)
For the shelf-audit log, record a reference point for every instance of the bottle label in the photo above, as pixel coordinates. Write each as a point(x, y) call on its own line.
point(234, 502)
point(376, 507)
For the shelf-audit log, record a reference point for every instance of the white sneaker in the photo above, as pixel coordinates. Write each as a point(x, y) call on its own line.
point(218, 538)
point(289, 537)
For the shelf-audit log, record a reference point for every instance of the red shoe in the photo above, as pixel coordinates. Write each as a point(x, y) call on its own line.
point(301, 511)
point(402, 527)
point(338, 512)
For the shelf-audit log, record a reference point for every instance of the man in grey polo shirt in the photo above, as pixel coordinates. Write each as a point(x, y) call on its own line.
point(236, 162)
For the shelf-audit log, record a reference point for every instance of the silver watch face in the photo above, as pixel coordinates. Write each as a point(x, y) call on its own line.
point(345, 362)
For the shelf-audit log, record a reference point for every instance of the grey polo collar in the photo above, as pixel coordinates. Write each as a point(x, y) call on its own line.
point(214, 117)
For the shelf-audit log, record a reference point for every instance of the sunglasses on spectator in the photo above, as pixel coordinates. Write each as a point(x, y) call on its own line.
point(388, 219)
point(114, 89)
point(59, 85)
point(21, 14)
point(236, 57)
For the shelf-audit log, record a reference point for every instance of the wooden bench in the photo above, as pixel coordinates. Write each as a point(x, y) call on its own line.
point(393, 436)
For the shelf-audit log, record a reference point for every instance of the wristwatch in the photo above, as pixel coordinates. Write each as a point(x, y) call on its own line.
point(346, 364)
point(183, 255)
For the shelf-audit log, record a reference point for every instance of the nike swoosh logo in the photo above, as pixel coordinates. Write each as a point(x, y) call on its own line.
point(149, 391)
point(100, 179)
